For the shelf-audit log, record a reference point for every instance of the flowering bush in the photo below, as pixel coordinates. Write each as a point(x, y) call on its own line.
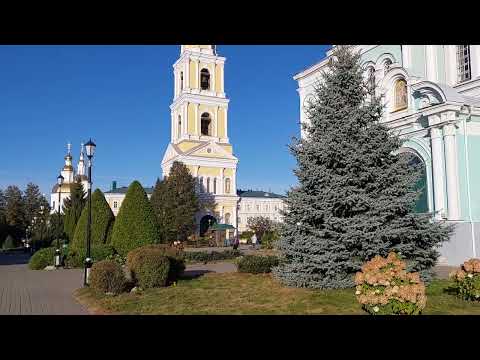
point(467, 280)
point(385, 288)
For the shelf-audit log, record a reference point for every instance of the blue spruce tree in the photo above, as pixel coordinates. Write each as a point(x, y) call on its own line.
point(356, 195)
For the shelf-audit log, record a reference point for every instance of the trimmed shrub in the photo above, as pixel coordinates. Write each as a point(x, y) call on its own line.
point(204, 256)
point(257, 264)
point(42, 258)
point(102, 220)
point(175, 256)
point(76, 258)
point(384, 287)
point(149, 267)
point(9, 243)
point(268, 240)
point(467, 280)
point(107, 277)
point(136, 224)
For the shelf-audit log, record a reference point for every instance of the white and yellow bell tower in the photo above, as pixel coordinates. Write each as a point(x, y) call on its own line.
point(199, 131)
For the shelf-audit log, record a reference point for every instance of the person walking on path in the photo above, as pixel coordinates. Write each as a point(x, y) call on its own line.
point(254, 241)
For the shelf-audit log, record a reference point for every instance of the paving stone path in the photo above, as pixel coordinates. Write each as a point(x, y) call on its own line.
point(29, 292)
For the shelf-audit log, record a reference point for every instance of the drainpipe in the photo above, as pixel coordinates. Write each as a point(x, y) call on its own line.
point(467, 165)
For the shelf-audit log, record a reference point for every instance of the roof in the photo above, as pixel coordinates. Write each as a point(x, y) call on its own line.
point(221, 227)
point(258, 194)
point(123, 190)
point(66, 188)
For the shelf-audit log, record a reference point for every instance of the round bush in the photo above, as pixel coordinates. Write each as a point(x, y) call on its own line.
point(149, 267)
point(175, 256)
point(76, 257)
point(42, 258)
point(385, 288)
point(107, 277)
point(467, 280)
point(257, 264)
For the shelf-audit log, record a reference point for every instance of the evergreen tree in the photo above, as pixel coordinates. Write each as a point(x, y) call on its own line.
point(72, 208)
point(175, 203)
point(102, 220)
point(135, 225)
point(356, 196)
point(33, 201)
point(15, 211)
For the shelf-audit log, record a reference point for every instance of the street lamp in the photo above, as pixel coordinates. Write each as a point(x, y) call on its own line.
point(90, 149)
point(60, 179)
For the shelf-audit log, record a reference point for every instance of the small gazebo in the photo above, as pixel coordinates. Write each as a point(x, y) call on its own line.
point(222, 233)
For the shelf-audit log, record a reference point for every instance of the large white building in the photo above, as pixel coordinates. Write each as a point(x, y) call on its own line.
point(431, 95)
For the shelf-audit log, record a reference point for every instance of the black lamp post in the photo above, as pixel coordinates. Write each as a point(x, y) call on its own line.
point(57, 262)
point(90, 149)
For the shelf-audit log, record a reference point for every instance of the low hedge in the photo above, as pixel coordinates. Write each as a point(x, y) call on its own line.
point(42, 258)
point(107, 277)
point(148, 266)
point(204, 256)
point(257, 264)
point(76, 258)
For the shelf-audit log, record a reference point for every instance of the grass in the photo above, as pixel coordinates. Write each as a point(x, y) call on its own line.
point(247, 294)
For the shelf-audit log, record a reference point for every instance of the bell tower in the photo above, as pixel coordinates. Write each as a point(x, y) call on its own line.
point(199, 129)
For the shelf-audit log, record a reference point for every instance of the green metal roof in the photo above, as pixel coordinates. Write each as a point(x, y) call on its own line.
point(222, 227)
point(259, 194)
point(123, 190)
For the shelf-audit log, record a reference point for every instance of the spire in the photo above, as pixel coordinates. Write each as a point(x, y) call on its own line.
point(81, 162)
point(67, 171)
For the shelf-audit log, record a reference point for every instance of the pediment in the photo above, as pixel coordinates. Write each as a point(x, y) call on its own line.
point(171, 153)
point(210, 150)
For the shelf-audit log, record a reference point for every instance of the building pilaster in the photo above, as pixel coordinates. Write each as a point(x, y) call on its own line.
point(451, 172)
point(437, 169)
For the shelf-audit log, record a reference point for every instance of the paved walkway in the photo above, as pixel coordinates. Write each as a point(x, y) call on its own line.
point(29, 292)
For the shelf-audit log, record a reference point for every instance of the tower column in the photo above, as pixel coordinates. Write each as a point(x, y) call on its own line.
point(451, 170)
point(197, 75)
point(196, 120)
point(216, 121)
point(222, 186)
point(437, 167)
point(184, 119)
point(186, 78)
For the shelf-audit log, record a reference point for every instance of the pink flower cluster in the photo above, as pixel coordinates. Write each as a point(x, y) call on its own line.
point(469, 269)
point(384, 279)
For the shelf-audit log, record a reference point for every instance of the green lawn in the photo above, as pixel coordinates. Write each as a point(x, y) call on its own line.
point(235, 293)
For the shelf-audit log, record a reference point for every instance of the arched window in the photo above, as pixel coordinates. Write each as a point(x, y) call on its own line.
point(205, 79)
point(371, 79)
point(416, 163)
point(208, 185)
point(227, 186)
point(400, 95)
point(214, 185)
point(386, 66)
point(206, 124)
point(181, 80)
point(227, 218)
point(179, 126)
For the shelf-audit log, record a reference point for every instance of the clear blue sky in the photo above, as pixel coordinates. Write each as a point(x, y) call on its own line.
point(120, 96)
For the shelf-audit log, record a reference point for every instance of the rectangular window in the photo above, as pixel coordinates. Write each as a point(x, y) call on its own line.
point(115, 204)
point(463, 63)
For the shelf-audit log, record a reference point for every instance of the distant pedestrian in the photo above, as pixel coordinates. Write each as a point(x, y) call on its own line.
point(254, 241)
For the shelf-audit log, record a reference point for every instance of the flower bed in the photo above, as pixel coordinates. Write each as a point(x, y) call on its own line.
point(385, 288)
point(467, 280)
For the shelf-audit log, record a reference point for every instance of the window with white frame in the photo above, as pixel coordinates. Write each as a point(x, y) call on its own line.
point(463, 63)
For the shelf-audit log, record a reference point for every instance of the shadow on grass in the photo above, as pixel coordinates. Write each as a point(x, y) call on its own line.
point(450, 290)
point(193, 274)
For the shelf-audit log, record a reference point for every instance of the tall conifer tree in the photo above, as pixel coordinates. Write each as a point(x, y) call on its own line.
point(72, 208)
point(356, 197)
